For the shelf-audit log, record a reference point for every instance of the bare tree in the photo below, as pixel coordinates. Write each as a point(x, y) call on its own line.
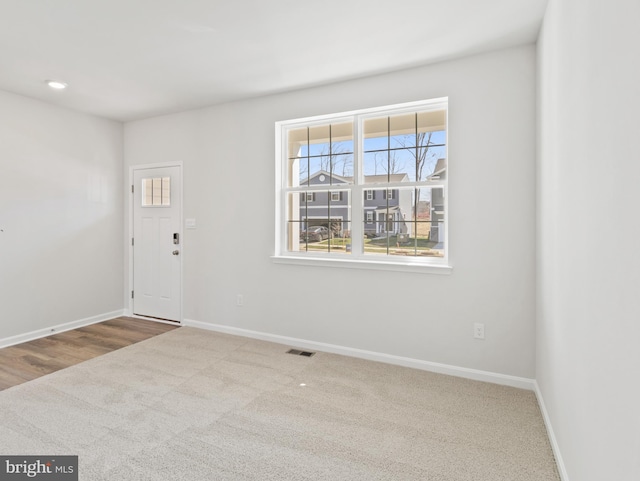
point(335, 160)
point(390, 164)
point(424, 154)
point(425, 157)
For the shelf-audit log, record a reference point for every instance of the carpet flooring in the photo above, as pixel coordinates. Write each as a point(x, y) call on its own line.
point(196, 405)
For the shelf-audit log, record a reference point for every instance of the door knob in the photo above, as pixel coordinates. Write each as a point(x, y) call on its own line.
point(175, 253)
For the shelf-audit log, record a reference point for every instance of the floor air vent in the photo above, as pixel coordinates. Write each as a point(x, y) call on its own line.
point(298, 352)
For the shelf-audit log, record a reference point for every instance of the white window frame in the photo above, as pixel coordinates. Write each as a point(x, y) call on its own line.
point(369, 194)
point(357, 258)
point(335, 196)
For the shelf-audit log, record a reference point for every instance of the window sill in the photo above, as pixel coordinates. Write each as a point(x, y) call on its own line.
point(442, 269)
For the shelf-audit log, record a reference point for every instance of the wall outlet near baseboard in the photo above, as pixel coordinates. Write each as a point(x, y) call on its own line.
point(478, 330)
point(239, 300)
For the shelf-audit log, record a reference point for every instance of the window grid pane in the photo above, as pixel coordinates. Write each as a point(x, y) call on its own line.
point(321, 150)
point(321, 225)
point(400, 226)
point(156, 192)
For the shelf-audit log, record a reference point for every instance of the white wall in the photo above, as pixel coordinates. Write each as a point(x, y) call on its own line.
point(588, 355)
point(228, 155)
point(61, 213)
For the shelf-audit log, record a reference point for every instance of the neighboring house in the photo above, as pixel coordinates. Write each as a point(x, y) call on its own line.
point(386, 211)
point(437, 203)
point(317, 210)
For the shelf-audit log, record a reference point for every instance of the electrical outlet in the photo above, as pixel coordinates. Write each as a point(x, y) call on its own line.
point(478, 330)
point(239, 300)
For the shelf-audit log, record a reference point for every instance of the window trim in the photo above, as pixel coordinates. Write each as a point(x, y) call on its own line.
point(434, 265)
point(369, 217)
point(359, 263)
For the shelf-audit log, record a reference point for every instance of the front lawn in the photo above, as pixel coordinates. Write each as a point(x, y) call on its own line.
point(420, 246)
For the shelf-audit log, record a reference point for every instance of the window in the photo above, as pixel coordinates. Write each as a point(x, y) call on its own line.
point(376, 179)
point(156, 192)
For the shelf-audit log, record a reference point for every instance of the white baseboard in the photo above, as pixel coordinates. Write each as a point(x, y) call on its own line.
point(562, 470)
point(67, 326)
point(476, 375)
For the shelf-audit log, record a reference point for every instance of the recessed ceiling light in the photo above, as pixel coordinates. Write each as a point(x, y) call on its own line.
point(56, 84)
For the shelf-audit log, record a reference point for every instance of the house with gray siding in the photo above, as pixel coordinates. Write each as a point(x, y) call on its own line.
point(386, 211)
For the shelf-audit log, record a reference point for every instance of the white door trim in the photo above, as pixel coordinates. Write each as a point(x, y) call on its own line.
point(129, 204)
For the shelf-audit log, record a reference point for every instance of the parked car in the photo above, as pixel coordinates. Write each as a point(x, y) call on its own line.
point(315, 233)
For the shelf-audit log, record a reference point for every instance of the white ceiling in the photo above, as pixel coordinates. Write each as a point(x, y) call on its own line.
point(131, 59)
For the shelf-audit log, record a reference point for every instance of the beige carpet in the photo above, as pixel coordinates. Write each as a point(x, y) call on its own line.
point(195, 405)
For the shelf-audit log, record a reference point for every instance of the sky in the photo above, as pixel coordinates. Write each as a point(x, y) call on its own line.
point(396, 154)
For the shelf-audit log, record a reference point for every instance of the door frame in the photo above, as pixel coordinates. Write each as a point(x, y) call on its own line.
point(129, 204)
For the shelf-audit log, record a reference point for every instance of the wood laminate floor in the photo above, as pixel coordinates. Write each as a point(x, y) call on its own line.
point(30, 360)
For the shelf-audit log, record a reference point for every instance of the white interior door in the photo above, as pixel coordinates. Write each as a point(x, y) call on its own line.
point(157, 242)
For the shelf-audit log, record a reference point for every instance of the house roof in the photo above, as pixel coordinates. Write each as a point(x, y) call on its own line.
point(343, 180)
point(440, 169)
point(373, 179)
point(368, 179)
point(384, 208)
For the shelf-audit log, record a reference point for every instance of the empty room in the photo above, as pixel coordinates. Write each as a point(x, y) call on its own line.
point(336, 240)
